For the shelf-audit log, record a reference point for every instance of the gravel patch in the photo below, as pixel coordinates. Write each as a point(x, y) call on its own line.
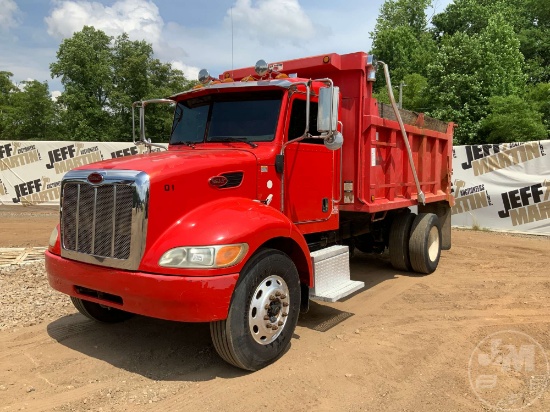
point(27, 298)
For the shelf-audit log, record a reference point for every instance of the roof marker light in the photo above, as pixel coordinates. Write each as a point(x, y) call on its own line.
point(204, 76)
point(261, 68)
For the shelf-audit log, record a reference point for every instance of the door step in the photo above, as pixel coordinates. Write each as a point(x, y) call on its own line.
point(332, 274)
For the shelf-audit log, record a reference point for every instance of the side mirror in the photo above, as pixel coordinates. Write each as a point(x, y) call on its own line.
point(327, 117)
point(335, 141)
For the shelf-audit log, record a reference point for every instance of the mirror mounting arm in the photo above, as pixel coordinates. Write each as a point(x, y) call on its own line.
point(141, 105)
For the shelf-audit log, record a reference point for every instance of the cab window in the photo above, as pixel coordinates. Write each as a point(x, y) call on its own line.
point(298, 121)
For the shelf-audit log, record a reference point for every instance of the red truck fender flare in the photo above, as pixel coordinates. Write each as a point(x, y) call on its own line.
point(227, 221)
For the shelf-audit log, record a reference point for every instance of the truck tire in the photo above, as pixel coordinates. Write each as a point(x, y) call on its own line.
point(399, 241)
point(100, 313)
point(425, 243)
point(263, 312)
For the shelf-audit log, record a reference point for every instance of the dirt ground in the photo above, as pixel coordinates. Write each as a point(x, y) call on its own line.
point(27, 226)
point(404, 343)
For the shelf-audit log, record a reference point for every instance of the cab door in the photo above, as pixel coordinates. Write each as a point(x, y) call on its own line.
point(310, 171)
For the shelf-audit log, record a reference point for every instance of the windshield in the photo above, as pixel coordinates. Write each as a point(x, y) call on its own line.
point(248, 117)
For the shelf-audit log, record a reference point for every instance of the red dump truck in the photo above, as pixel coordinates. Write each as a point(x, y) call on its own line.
point(274, 174)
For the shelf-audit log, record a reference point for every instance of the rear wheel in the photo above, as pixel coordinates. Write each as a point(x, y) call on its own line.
point(101, 313)
point(425, 243)
point(399, 241)
point(263, 313)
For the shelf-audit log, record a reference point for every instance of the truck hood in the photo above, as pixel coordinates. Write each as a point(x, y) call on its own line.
point(170, 163)
point(180, 181)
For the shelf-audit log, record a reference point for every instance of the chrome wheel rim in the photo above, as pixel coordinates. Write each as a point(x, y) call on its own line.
point(268, 311)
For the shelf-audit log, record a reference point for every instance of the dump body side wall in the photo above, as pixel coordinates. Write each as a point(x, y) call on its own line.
point(375, 159)
point(383, 174)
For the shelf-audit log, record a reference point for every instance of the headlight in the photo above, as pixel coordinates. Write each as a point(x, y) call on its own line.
point(53, 237)
point(204, 256)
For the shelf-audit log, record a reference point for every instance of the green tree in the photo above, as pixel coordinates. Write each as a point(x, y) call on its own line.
point(84, 65)
point(6, 88)
point(456, 91)
point(137, 75)
point(476, 52)
point(400, 38)
point(530, 20)
point(512, 119)
point(6, 85)
point(502, 59)
point(535, 41)
point(130, 68)
point(472, 16)
point(539, 96)
point(415, 93)
point(103, 77)
point(31, 113)
point(468, 70)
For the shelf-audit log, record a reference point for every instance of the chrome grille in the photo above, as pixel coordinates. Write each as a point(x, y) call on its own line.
point(105, 224)
point(97, 220)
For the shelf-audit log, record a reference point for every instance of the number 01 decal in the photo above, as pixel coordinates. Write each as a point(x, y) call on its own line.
point(168, 188)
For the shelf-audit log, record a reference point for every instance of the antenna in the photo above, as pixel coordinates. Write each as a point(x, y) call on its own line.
point(231, 41)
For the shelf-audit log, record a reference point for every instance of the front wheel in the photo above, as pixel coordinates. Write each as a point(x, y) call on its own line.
point(263, 313)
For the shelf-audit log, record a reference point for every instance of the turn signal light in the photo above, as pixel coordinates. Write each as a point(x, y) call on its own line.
point(227, 255)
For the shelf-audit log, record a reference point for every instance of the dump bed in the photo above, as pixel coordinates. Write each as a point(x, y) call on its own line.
point(382, 173)
point(377, 174)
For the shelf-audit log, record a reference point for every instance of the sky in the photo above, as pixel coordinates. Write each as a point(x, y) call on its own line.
point(189, 34)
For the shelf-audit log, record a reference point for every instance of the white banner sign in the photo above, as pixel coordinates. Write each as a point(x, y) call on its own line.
point(504, 187)
point(31, 172)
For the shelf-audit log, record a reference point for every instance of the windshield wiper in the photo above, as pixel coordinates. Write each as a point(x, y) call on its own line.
point(233, 139)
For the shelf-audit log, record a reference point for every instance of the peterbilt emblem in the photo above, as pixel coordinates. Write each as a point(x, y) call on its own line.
point(95, 178)
point(218, 181)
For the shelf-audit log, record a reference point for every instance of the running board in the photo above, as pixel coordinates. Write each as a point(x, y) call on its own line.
point(332, 275)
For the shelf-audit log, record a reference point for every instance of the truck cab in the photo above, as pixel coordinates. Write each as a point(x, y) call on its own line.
point(272, 177)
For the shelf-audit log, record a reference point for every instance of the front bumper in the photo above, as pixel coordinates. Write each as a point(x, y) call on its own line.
point(179, 298)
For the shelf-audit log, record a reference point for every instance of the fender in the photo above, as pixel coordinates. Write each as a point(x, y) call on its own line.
point(224, 221)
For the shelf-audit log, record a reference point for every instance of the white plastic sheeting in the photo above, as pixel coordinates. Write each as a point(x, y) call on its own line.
point(503, 187)
point(31, 171)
